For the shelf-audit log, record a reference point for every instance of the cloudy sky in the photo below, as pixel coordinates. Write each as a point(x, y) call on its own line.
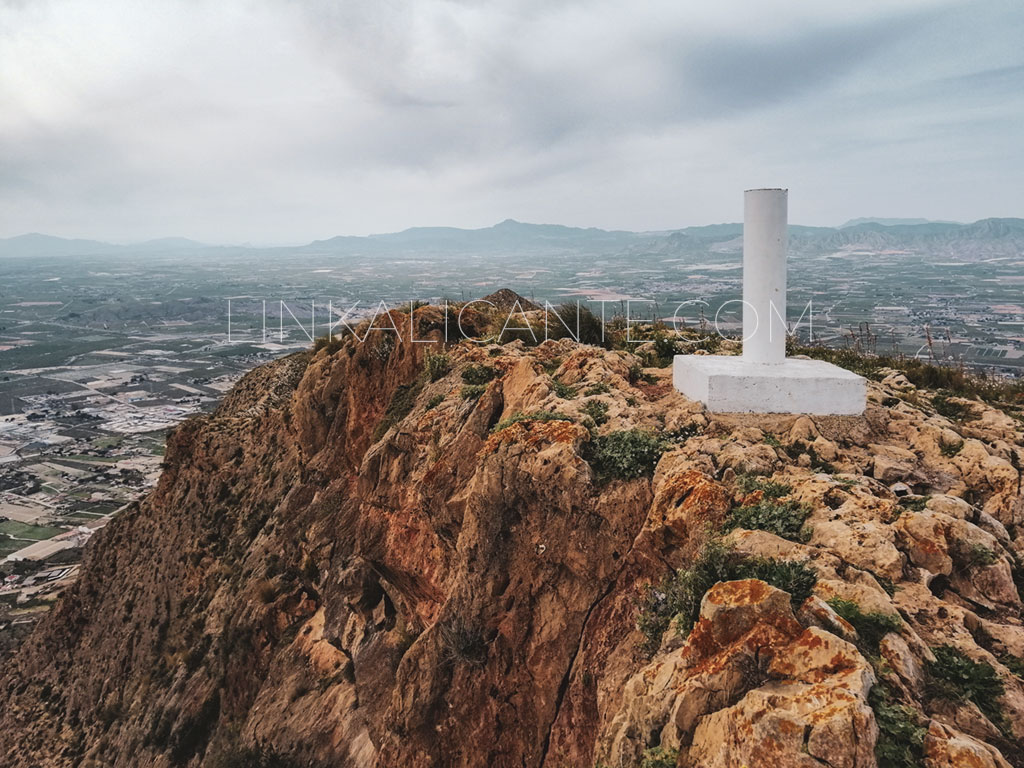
point(277, 121)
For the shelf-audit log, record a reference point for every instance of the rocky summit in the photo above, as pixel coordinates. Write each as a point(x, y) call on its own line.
point(390, 553)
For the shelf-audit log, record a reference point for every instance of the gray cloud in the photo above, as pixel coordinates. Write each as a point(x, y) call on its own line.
point(280, 121)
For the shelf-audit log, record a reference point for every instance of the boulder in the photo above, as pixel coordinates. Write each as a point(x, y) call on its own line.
point(946, 747)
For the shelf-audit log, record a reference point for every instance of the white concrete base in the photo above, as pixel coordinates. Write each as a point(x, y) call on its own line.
point(734, 385)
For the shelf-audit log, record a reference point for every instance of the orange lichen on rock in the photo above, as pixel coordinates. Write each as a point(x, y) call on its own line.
point(534, 432)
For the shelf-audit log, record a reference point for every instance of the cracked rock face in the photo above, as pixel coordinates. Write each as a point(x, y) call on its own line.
point(345, 565)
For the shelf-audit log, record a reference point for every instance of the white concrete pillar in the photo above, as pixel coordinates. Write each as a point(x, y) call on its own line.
point(764, 275)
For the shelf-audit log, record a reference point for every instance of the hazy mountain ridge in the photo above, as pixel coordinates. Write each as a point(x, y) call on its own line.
point(980, 239)
point(892, 222)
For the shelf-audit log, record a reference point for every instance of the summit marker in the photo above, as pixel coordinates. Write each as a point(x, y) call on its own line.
point(763, 379)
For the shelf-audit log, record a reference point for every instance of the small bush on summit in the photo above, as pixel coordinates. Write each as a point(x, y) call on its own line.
point(951, 410)
point(636, 375)
point(596, 410)
point(950, 450)
point(564, 391)
point(980, 556)
point(871, 627)
point(472, 391)
point(799, 447)
point(900, 741)
point(562, 323)
point(328, 342)
point(600, 388)
point(659, 757)
point(783, 518)
point(665, 349)
point(437, 365)
point(625, 454)
point(678, 596)
point(1013, 663)
point(478, 374)
point(956, 677)
point(515, 418)
point(749, 483)
point(913, 503)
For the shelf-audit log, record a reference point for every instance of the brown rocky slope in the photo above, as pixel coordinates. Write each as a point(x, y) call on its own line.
point(362, 559)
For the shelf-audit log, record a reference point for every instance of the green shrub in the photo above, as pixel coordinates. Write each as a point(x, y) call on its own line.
point(600, 388)
point(515, 418)
point(402, 402)
point(437, 365)
point(956, 677)
point(913, 503)
point(664, 350)
point(951, 410)
point(679, 594)
point(636, 375)
point(478, 374)
point(790, 576)
point(979, 556)
point(435, 401)
point(564, 391)
point(328, 342)
point(384, 346)
point(597, 410)
point(552, 365)
point(951, 449)
point(472, 391)
point(900, 741)
point(1013, 663)
point(886, 584)
point(625, 454)
point(783, 518)
point(659, 757)
point(749, 483)
point(695, 341)
point(871, 627)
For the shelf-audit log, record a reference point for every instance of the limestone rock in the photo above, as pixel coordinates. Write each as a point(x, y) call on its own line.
point(945, 747)
point(815, 710)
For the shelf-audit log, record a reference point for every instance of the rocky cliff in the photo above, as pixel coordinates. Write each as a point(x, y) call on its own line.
point(374, 554)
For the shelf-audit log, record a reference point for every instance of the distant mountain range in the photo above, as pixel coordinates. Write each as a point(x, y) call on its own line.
point(893, 222)
point(35, 244)
point(983, 239)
